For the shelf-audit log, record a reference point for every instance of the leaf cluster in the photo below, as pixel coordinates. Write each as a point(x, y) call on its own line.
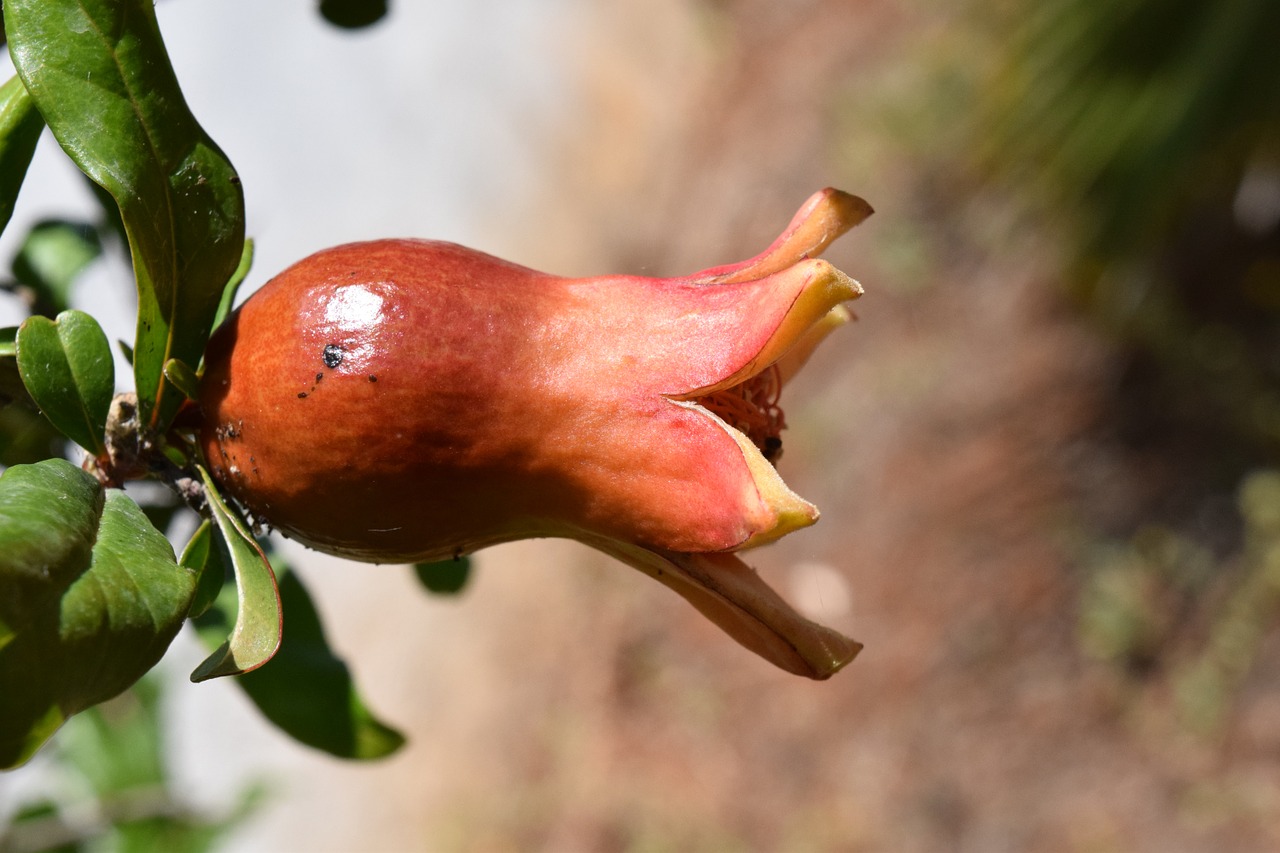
point(91, 590)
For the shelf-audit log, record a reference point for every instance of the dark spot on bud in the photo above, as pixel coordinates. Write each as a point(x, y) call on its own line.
point(319, 376)
point(302, 395)
point(332, 355)
point(372, 378)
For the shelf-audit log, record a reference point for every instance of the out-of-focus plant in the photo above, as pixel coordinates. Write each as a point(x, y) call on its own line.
point(1146, 135)
point(1162, 601)
point(113, 789)
point(1206, 685)
point(1135, 594)
point(1151, 130)
point(1130, 113)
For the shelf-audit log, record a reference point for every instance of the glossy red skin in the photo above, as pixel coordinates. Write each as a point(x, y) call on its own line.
point(478, 401)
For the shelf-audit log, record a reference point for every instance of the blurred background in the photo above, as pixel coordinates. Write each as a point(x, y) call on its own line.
point(1048, 455)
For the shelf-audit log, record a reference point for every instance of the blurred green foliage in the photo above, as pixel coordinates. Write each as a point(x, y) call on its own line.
point(114, 791)
point(1205, 685)
point(1135, 111)
point(1145, 135)
point(1150, 131)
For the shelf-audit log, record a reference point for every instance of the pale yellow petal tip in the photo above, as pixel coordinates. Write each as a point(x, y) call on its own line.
point(856, 285)
point(824, 288)
point(834, 319)
point(796, 357)
point(783, 510)
point(820, 288)
point(831, 282)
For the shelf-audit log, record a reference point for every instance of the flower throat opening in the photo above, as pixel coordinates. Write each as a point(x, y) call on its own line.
point(751, 407)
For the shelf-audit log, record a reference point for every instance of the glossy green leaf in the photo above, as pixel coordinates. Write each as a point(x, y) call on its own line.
point(447, 577)
point(255, 636)
point(67, 368)
point(179, 197)
point(202, 557)
point(306, 690)
point(89, 592)
point(51, 257)
point(20, 126)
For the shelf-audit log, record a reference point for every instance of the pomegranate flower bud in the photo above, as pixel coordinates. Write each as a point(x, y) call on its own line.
point(403, 400)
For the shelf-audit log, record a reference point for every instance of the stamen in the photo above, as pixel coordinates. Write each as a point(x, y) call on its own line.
point(751, 407)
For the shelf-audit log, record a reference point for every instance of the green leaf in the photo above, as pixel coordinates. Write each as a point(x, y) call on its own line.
point(255, 637)
point(20, 126)
point(448, 577)
point(118, 746)
point(306, 690)
point(179, 197)
point(353, 14)
point(90, 593)
point(11, 387)
point(116, 752)
point(25, 436)
point(53, 254)
point(233, 285)
point(202, 557)
point(182, 377)
point(66, 366)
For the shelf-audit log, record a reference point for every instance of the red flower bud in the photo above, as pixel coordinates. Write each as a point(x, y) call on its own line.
point(404, 400)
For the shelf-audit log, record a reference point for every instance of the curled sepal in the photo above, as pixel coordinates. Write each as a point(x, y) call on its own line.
point(67, 369)
point(90, 598)
point(733, 596)
point(826, 215)
point(306, 690)
point(255, 637)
